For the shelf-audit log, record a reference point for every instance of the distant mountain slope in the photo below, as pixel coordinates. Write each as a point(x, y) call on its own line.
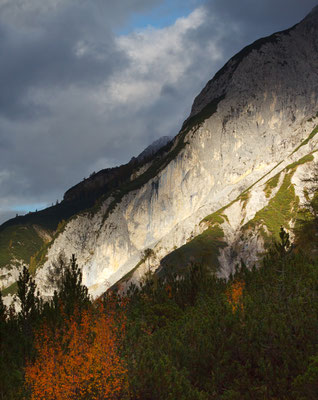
point(206, 192)
point(24, 239)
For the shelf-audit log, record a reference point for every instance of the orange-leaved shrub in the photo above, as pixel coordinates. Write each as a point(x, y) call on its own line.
point(234, 295)
point(81, 359)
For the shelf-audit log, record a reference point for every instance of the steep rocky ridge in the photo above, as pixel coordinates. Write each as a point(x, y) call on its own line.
point(257, 116)
point(25, 239)
point(109, 179)
point(248, 119)
point(152, 149)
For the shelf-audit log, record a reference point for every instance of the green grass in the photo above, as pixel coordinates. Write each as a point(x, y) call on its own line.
point(244, 197)
point(282, 208)
point(12, 289)
point(41, 255)
point(311, 135)
point(271, 184)
point(18, 242)
point(217, 217)
point(303, 160)
point(279, 211)
point(203, 249)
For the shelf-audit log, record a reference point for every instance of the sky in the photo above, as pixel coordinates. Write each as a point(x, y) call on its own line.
point(87, 84)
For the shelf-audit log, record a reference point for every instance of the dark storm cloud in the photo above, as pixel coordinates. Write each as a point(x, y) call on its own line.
point(258, 15)
point(64, 47)
point(245, 21)
point(60, 116)
point(47, 48)
point(233, 25)
point(48, 60)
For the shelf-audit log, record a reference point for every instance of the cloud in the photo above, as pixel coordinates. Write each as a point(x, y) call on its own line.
point(258, 15)
point(77, 98)
point(249, 20)
point(60, 48)
point(158, 57)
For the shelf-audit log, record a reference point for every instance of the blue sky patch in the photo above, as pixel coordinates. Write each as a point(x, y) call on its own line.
point(161, 16)
point(24, 208)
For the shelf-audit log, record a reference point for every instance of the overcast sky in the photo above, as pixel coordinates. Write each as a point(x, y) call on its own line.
point(87, 84)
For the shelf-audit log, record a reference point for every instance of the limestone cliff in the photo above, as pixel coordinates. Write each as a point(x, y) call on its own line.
point(246, 124)
point(206, 194)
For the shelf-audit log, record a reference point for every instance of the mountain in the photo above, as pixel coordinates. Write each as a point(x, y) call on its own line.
point(217, 193)
point(154, 147)
point(24, 239)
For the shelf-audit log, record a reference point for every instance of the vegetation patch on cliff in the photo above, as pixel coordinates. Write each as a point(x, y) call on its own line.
point(12, 289)
point(282, 208)
point(204, 114)
point(18, 243)
point(203, 249)
point(311, 135)
point(279, 211)
point(216, 218)
point(303, 160)
point(271, 184)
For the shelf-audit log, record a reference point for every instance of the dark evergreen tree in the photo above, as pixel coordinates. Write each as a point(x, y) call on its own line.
point(2, 347)
point(29, 300)
point(3, 310)
point(70, 290)
point(284, 246)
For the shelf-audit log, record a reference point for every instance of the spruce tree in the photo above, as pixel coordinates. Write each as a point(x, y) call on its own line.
point(284, 246)
point(29, 300)
point(70, 291)
point(3, 310)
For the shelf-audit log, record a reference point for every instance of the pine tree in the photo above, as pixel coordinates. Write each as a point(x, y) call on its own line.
point(70, 290)
point(29, 300)
point(2, 347)
point(3, 310)
point(284, 246)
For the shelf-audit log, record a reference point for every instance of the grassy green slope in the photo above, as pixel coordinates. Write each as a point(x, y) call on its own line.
point(203, 249)
point(280, 211)
point(18, 243)
point(282, 208)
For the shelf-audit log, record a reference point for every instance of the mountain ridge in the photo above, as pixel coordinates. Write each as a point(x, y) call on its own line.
point(236, 134)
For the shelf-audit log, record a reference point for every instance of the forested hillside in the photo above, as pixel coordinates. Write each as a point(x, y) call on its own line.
point(193, 336)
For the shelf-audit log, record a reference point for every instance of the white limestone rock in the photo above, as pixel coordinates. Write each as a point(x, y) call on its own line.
point(268, 96)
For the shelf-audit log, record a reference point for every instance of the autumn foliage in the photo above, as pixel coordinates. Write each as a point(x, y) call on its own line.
point(234, 295)
point(80, 360)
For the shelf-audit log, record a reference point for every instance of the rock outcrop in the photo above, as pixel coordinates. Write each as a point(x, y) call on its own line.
point(248, 119)
point(204, 195)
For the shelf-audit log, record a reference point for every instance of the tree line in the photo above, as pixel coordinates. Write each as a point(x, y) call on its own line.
point(190, 337)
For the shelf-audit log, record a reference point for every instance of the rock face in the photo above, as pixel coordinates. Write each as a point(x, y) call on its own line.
point(111, 178)
point(154, 147)
point(248, 124)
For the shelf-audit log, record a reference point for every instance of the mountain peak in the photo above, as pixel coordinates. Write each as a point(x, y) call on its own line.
point(314, 11)
point(154, 147)
point(312, 17)
point(279, 48)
